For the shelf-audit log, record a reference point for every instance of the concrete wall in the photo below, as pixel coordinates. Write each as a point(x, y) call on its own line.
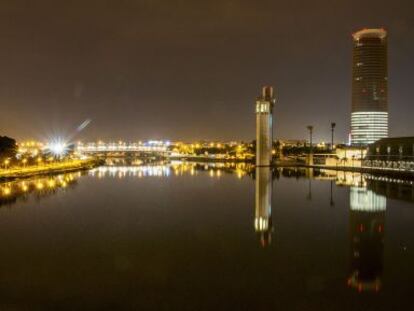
point(263, 139)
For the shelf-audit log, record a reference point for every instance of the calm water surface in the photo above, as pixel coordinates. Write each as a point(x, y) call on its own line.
point(201, 237)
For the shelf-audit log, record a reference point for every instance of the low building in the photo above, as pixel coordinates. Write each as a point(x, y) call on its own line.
point(391, 153)
point(347, 156)
point(292, 142)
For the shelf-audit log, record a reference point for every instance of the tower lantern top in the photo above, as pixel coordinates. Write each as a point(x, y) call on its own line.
point(267, 92)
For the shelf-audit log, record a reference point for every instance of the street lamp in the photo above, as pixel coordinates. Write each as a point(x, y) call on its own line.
point(310, 129)
point(24, 161)
point(57, 147)
point(6, 163)
point(333, 124)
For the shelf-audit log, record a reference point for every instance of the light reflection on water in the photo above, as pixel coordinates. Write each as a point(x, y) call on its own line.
point(40, 187)
point(263, 206)
point(177, 168)
point(367, 219)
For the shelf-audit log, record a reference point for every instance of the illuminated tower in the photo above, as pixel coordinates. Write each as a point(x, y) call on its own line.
point(369, 119)
point(264, 126)
point(263, 205)
point(367, 218)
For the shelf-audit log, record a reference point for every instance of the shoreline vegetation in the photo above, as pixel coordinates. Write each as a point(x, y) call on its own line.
point(46, 169)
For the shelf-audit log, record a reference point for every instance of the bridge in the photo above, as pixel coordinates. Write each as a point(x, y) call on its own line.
point(152, 146)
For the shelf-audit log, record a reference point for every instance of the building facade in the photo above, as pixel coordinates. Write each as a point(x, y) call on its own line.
point(264, 126)
point(369, 118)
point(391, 153)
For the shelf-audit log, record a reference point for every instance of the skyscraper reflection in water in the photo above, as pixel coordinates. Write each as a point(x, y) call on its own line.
point(367, 217)
point(263, 205)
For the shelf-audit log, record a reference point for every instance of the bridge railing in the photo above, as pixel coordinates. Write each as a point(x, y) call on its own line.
point(120, 148)
point(389, 162)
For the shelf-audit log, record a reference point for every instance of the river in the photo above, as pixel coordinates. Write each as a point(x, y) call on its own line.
point(186, 236)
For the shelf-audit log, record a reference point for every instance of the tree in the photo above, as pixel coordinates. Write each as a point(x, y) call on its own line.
point(8, 147)
point(251, 148)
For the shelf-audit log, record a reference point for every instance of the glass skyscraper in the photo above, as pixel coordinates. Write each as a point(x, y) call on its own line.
point(369, 119)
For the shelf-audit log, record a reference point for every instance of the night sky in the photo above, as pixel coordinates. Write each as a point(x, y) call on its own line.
point(152, 69)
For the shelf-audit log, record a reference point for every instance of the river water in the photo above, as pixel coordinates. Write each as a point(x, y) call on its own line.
point(185, 236)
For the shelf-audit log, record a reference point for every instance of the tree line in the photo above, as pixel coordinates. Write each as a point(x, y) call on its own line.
point(8, 147)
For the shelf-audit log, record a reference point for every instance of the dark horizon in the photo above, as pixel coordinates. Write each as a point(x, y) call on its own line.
point(191, 71)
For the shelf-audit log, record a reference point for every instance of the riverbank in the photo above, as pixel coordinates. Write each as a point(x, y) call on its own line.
point(46, 169)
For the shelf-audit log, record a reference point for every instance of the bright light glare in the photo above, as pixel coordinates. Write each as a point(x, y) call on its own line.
point(57, 147)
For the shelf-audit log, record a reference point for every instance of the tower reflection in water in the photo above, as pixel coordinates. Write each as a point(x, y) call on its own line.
point(263, 205)
point(367, 217)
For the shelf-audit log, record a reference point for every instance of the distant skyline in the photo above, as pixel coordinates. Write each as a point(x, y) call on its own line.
point(191, 70)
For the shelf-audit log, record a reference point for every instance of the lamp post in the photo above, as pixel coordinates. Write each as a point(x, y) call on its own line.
point(333, 124)
point(6, 163)
point(310, 160)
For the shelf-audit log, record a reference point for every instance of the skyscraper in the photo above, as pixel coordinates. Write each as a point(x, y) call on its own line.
point(264, 126)
point(369, 119)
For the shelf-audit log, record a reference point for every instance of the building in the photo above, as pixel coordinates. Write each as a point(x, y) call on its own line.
point(369, 118)
point(392, 148)
point(292, 142)
point(392, 153)
point(347, 156)
point(264, 126)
